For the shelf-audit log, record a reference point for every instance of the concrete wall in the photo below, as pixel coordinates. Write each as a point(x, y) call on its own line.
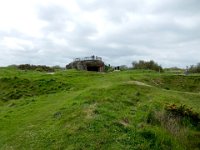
point(89, 65)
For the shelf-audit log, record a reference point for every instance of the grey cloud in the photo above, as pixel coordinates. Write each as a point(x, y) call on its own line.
point(56, 18)
point(52, 13)
point(179, 7)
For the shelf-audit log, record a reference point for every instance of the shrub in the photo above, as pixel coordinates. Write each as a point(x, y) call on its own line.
point(151, 65)
point(108, 68)
point(184, 112)
point(194, 68)
point(35, 67)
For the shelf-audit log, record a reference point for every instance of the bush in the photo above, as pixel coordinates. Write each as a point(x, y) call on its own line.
point(194, 68)
point(36, 67)
point(108, 68)
point(151, 65)
point(184, 112)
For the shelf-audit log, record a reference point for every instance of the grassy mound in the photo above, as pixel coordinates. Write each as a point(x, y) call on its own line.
point(15, 88)
point(175, 82)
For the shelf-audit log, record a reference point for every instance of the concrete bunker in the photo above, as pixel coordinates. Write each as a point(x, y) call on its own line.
point(92, 63)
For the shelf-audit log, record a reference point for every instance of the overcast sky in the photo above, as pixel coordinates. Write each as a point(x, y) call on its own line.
point(53, 32)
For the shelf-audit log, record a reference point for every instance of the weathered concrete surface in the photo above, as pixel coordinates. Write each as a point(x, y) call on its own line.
point(89, 65)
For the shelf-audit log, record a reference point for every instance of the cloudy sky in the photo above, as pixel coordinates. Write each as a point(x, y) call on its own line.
point(53, 32)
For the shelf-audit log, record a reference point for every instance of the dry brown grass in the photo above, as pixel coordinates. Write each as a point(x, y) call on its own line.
point(89, 111)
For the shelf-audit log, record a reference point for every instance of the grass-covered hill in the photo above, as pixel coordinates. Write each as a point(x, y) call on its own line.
point(87, 110)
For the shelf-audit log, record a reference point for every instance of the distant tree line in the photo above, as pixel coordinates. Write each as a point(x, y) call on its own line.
point(36, 67)
point(150, 65)
point(194, 68)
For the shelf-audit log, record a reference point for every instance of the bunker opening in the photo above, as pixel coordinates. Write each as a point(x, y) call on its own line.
point(93, 68)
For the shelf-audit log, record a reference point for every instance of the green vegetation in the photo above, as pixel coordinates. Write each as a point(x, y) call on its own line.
point(175, 82)
point(174, 70)
point(195, 68)
point(150, 65)
point(71, 109)
point(36, 67)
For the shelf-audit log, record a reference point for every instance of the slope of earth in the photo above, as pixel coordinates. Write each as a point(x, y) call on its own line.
point(88, 110)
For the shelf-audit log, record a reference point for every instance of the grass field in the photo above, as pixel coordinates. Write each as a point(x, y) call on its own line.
point(87, 110)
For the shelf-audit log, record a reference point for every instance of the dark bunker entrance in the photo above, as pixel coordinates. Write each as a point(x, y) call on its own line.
point(93, 68)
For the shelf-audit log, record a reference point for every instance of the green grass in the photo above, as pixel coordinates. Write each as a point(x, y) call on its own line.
point(88, 110)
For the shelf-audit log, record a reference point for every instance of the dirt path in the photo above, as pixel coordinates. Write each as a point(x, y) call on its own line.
point(139, 83)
